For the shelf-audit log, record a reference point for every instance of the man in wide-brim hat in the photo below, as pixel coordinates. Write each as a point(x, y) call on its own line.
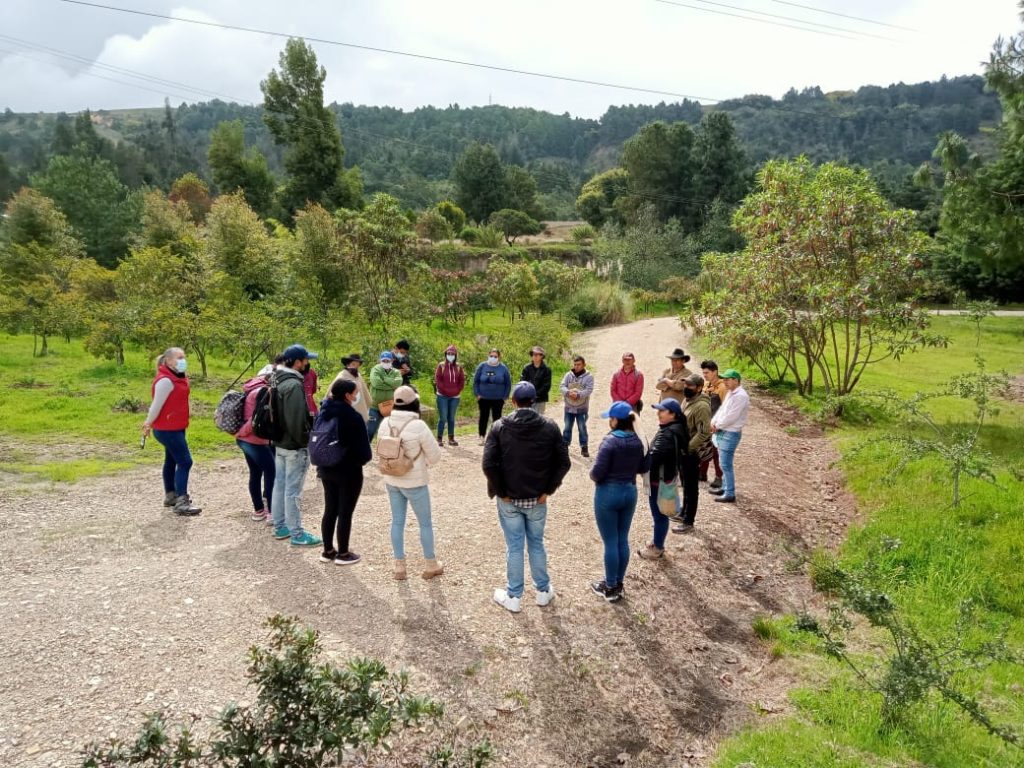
point(672, 381)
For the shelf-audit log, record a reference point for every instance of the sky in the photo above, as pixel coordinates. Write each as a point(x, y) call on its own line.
point(56, 55)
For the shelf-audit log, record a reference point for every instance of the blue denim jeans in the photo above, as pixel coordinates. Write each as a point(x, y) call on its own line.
point(727, 442)
point(262, 467)
point(419, 499)
point(373, 422)
point(660, 521)
point(177, 459)
point(580, 420)
point(524, 526)
point(614, 505)
point(290, 469)
point(446, 408)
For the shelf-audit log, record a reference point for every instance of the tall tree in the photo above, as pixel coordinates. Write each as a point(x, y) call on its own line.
point(481, 185)
point(239, 246)
point(293, 103)
point(661, 166)
point(721, 170)
point(234, 168)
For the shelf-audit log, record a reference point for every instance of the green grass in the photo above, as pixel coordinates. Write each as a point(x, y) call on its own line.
point(946, 556)
point(58, 420)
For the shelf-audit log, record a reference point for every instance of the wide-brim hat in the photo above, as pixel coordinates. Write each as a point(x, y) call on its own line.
point(355, 357)
point(678, 354)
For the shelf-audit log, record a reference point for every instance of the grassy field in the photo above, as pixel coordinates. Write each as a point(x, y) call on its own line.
point(945, 557)
point(70, 415)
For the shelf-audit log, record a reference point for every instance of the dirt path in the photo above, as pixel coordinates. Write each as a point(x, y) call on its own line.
point(111, 607)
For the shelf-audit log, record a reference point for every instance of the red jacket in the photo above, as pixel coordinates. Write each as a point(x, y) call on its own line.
point(174, 415)
point(628, 387)
point(252, 390)
point(449, 379)
point(310, 386)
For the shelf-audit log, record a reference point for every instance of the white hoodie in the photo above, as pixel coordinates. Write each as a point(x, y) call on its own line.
point(418, 443)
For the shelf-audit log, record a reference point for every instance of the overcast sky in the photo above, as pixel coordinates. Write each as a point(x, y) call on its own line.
point(642, 43)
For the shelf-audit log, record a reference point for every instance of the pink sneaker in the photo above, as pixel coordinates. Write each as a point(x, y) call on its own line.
point(260, 515)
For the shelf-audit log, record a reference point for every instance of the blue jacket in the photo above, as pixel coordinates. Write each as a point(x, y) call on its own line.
point(492, 382)
point(619, 459)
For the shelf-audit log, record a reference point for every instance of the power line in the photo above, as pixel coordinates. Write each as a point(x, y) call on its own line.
point(844, 15)
point(395, 52)
point(809, 28)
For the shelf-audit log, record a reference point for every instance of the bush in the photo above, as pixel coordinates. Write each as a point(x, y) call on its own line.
point(490, 237)
point(469, 235)
point(513, 224)
point(455, 216)
point(307, 714)
point(432, 226)
point(599, 303)
point(583, 233)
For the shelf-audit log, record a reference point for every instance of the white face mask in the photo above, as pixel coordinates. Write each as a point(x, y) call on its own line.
point(450, 358)
point(357, 398)
point(386, 365)
point(492, 360)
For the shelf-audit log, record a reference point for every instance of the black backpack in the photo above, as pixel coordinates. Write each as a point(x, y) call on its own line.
point(266, 417)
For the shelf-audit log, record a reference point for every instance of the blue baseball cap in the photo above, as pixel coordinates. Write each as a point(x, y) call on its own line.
point(524, 392)
point(668, 404)
point(387, 355)
point(620, 409)
point(298, 352)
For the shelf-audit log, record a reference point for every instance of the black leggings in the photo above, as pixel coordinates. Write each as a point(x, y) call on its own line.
point(341, 493)
point(690, 473)
point(488, 409)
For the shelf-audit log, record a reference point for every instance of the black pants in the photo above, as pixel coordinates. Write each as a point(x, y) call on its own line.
point(341, 492)
point(488, 409)
point(690, 477)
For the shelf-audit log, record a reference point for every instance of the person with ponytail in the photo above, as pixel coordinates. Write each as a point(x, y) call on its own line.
point(167, 420)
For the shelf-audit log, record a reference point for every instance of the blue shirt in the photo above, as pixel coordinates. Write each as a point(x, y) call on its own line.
point(492, 382)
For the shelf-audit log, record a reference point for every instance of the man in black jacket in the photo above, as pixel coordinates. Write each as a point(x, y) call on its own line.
point(525, 460)
point(538, 374)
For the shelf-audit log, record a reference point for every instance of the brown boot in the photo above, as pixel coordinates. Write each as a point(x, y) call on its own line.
point(651, 552)
point(433, 568)
point(399, 570)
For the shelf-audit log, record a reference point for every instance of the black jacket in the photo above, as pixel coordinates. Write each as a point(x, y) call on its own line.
point(352, 434)
point(524, 456)
point(540, 378)
point(670, 441)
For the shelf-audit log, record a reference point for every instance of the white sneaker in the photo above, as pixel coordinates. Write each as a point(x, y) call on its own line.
point(505, 600)
point(545, 598)
point(480, 440)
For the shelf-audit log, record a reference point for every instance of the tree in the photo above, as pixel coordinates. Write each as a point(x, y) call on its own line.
point(513, 286)
point(597, 203)
point(827, 283)
point(317, 255)
point(721, 164)
point(293, 104)
point(168, 224)
point(239, 245)
point(480, 181)
point(98, 205)
point(661, 166)
point(193, 192)
point(431, 225)
point(646, 251)
point(455, 216)
point(234, 168)
point(514, 224)
point(521, 191)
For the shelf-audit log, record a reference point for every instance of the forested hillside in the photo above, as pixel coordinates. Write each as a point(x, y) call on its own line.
point(411, 154)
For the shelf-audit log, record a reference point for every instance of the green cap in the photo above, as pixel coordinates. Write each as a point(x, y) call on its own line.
point(732, 373)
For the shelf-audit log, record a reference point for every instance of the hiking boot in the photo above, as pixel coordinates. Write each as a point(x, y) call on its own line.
point(306, 539)
point(453, 442)
point(170, 498)
point(506, 601)
point(349, 558)
point(183, 506)
point(684, 527)
point(651, 552)
point(716, 483)
point(584, 452)
point(726, 499)
point(545, 598)
point(328, 556)
point(398, 571)
point(433, 569)
point(281, 532)
point(440, 441)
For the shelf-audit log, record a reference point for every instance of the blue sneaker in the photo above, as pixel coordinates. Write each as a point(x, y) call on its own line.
point(306, 539)
point(282, 532)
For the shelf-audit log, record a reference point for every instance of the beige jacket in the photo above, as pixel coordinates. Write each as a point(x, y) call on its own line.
point(418, 444)
point(674, 388)
point(363, 406)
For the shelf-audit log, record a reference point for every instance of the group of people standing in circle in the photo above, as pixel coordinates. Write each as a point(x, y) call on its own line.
point(526, 456)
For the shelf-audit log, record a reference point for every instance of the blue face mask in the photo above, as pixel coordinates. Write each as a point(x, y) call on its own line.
point(492, 361)
point(181, 365)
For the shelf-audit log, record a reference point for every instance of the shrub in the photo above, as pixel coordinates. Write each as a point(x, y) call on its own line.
point(469, 235)
point(432, 226)
point(489, 236)
point(455, 216)
point(307, 714)
point(598, 303)
point(584, 233)
point(513, 224)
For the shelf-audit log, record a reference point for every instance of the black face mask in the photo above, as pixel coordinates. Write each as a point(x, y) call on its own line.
point(353, 371)
point(689, 393)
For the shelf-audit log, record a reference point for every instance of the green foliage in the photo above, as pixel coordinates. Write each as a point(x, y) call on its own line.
point(95, 202)
point(597, 203)
point(514, 224)
point(470, 235)
point(645, 252)
point(721, 172)
point(293, 102)
point(431, 225)
point(660, 166)
point(598, 303)
point(455, 216)
point(194, 194)
point(584, 233)
point(306, 714)
point(513, 285)
point(479, 177)
point(488, 236)
point(827, 283)
point(521, 192)
point(235, 168)
point(239, 245)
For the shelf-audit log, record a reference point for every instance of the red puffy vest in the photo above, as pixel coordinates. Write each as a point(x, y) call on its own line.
point(174, 415)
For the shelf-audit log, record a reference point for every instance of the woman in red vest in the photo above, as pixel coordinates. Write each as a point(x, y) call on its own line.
point(168, 420)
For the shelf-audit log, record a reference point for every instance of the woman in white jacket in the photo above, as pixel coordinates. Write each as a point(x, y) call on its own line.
point(418, 444)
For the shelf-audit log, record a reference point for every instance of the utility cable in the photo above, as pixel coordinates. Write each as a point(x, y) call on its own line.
point(844, 15)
